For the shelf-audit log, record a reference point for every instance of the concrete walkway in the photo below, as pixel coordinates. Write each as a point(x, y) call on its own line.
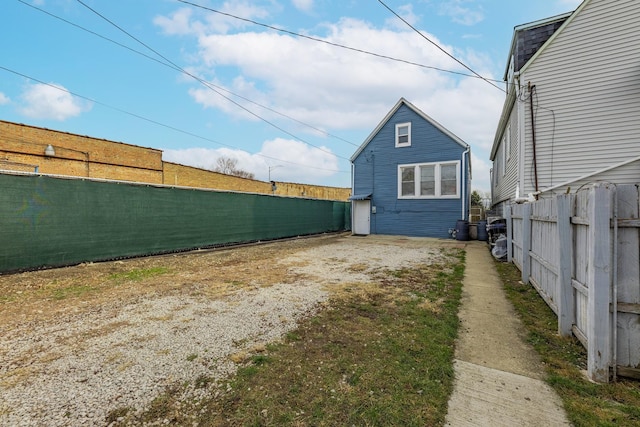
point(498, 375)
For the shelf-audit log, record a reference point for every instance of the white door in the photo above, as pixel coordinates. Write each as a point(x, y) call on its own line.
point(361, 217)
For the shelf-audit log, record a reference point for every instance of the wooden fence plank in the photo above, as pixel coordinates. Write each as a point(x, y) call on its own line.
point(627, 319)
point(509, 233)
point(599, 318)
point(566, 296)
point(526, 242)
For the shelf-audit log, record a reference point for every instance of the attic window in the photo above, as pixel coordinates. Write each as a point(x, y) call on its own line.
point(403, 134)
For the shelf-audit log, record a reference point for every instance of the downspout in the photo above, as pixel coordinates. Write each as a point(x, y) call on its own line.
point(533, 136)
point(353, 192)
point(465, 184)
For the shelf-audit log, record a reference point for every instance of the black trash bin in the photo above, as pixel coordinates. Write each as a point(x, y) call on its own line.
point(462, 230)
point(482, 230)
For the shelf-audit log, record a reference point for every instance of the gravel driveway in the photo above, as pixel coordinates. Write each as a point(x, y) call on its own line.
point(77, 344)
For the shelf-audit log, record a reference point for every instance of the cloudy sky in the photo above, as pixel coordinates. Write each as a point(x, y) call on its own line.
point(260, 81)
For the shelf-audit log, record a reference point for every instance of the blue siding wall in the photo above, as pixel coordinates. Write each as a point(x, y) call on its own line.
point(376, 172)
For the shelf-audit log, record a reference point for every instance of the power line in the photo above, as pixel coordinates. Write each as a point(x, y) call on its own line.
point(324, 132)
point(378, 55)
point(206, 84)
point(438, 46)
point(155, 122)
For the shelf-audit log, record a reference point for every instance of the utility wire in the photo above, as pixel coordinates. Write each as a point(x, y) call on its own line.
point(315, 39)
point(206, 84)
point(438, 46)
point(180, 70)
point(155, 122)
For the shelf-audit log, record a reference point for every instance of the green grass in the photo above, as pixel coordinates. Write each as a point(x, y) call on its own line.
point(587, 403)
point(378, 356)
point(71, 291)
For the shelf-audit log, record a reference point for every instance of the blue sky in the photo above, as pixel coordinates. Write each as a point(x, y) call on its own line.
point(305, 106)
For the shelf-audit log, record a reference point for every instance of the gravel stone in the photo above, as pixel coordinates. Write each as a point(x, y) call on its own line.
point(75, 369)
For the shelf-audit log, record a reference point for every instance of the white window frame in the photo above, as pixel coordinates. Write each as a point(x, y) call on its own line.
point(403, 144)
point(508, 139)
point(438, 180)
point(504, 155)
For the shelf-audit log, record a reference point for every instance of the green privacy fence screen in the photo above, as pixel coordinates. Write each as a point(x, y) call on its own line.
point(46, 221)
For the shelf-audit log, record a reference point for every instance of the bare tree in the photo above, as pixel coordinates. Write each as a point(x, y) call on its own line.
point(228, 166)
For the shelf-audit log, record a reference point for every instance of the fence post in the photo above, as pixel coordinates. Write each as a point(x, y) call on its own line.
point(599, 280)
point(565, 294)
point(507, 217)
point(526, 242)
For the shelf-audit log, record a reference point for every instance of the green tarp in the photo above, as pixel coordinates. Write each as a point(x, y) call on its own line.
point(46, 221)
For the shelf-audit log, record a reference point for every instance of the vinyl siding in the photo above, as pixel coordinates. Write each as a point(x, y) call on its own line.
point(587, 97)
point(504, 186)
point(376, 172)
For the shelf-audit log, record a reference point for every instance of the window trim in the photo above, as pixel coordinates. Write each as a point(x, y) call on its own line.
point(438, 180)
point(403, 144)
point(508, 139)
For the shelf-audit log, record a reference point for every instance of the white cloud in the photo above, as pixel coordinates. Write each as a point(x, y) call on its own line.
point(289, 160)
point(406, 12)
point(465, 12)
point(51, 101)
point(303, 5)
point(480, 173)
point(341, 90)
point(185, 22)
point(320, 84)
point(4, 99)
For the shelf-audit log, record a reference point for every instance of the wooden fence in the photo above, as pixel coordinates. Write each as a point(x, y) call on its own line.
point(582, 254)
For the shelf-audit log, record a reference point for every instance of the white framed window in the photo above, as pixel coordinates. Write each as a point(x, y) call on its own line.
point(429, 180)
point(504, 155)
point(403, 134)
point(508, 140)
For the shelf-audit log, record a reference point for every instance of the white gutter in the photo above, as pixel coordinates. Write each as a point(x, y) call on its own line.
point(465, 185)
point(589, 175)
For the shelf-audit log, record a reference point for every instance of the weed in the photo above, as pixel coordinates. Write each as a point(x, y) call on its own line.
point(203, 381)
point(375, 358)
point(116, 414)
point(586, 403)
point(70, 291)
point(192, 357)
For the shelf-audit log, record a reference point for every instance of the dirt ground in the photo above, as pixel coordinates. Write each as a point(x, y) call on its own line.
point(113, 333)
point(46, 294)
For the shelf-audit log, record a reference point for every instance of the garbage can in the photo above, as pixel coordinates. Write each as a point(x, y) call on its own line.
point(462, 230)
point(482, 230)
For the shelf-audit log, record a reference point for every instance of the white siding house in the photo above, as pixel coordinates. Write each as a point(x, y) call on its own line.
point(572, 112)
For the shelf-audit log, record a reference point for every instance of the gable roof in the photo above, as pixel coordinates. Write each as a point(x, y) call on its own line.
point(566, 20)
point(564, 25)
point(390, 114)
point(528, 38)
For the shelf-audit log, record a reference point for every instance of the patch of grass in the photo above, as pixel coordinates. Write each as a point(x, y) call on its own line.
point(375, 358)
point(192, 357)
point(380, 355)
point(138, 274)
point(587, 404)
point(70, 291)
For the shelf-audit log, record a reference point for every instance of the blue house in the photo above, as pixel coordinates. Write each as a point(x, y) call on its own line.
point(410, 177)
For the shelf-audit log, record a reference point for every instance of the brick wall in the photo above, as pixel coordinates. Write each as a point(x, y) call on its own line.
point(77, 155)
point(187, 176)
point(312, 191)
point(22, 148)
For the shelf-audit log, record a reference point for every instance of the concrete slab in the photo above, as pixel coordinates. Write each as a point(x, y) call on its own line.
point(498, 375)
point(490, 397)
